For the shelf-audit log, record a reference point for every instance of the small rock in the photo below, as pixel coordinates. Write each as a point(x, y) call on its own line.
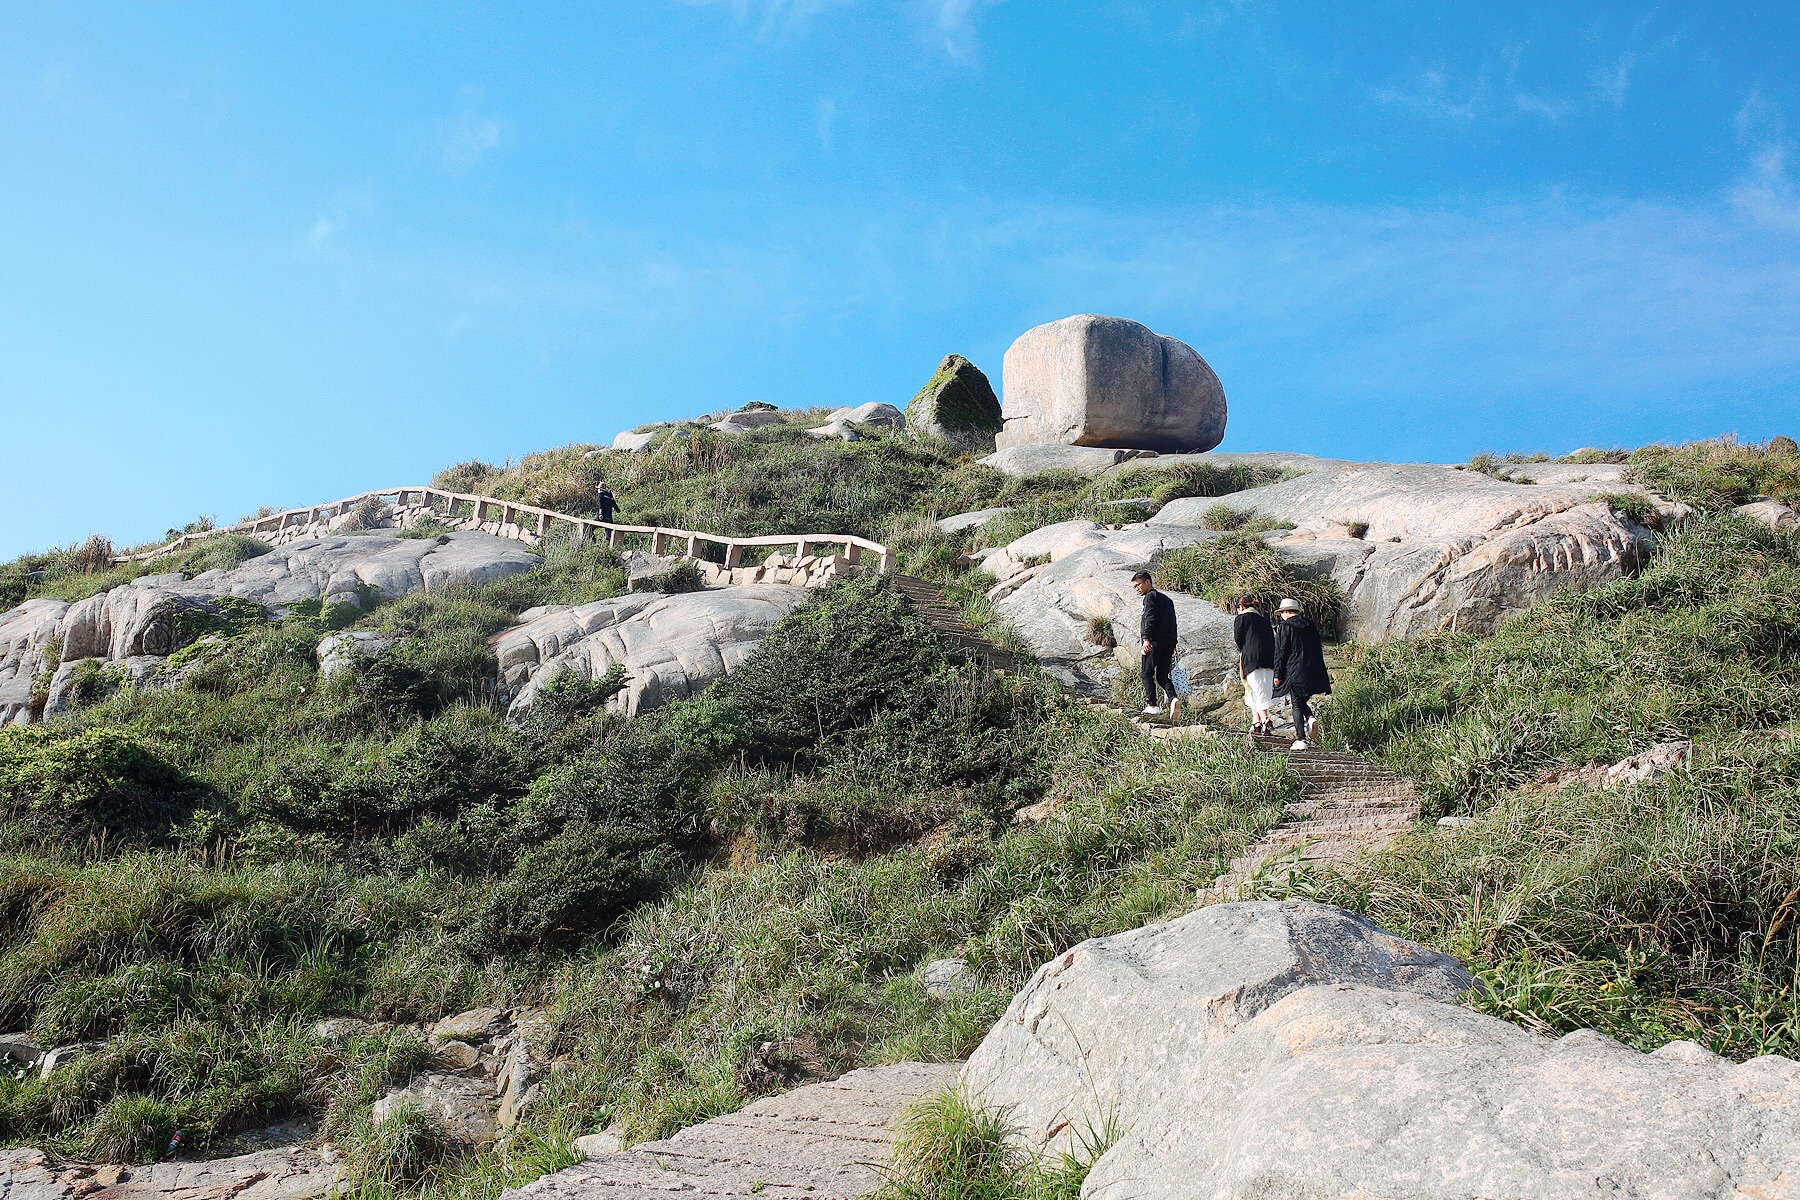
point(455, 1056)
point(62, 1056)
point(19, 1049)
point(1653, 763)
point(968, 520)
point(464, 1105)
point(594, 1145)
point(1455, 822)
point(947, 977)
point(475, 1025)
point(527, 1063)
point(336, 1030)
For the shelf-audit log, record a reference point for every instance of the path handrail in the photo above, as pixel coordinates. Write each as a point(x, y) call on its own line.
point(509, 510)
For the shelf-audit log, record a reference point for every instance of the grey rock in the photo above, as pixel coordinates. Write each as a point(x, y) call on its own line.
point(464, 1103)
point(1249, 1051)
point(1653, 763)
point(140, 619)
point(1455, 822)
point(283, 1173)
point(475, 1025)
point(55, 1060)
point(958, 403)
point(1440, 548)
point(744, 422)
point(670, 646)
point(874, 414)
point(1104, 381)
point(20, 1051)
point(632, 442)
point(1772, 514)
point(455, 1056)
point(1024, 461)
point(968, 520)
point(337, 650)
point(823, 1141)
point(946, 977)
point(526, 1065)
point(598, 1145)
point(1090, 577)
point(335, 1031)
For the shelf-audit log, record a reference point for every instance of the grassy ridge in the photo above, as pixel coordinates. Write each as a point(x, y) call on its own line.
point(1654, 912)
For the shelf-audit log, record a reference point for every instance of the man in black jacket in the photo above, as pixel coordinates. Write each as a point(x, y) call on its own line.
point(1157, 629)
point(608, 505)
point(1300, 671)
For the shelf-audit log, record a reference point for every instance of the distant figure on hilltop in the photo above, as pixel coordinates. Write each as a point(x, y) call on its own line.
point(1255, 639)
point(608, 505)
point(1300, 672)
point(1157, 629)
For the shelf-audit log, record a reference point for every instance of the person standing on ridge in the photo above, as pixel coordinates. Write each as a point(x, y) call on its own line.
point(1157, 629)
point(1300, 672)
point(1255, 639)
point(608, 505)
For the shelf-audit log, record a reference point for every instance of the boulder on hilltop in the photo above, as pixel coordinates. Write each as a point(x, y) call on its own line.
point(1104, 381)
point(1294, 1049)
point(958, 403)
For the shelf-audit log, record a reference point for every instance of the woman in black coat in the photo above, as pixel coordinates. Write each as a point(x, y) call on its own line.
point(1300, 672)
point(1256, 663)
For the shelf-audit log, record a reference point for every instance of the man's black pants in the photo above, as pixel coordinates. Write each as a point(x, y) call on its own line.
point(1157, 665)
point(1302, 714)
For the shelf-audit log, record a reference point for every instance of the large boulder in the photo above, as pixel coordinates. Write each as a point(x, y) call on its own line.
point(958, 403)
point(1293, 1049)
point(1417, 548)
point(1105, 381)
point(1057, 605)
point(155, 615)
point(670, 646)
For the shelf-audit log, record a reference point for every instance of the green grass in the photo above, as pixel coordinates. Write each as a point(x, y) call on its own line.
point(1241, 563)
point(952, 1148)
point(1720, 473)
point(1649, 913)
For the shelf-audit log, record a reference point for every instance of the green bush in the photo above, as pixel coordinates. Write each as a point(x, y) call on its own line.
point(1719, 474)
point(89, 781)
point(1242, 564)
point(952, 1148)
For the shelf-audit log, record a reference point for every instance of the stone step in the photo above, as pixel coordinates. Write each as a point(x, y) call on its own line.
point(824, 1141)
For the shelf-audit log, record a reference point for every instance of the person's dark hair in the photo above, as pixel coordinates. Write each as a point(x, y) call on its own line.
point(1143, 575)
point(1244, 602)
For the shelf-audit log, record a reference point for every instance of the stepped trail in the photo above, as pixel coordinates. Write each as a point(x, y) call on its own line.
point(824, 1141)
point(1349, 804)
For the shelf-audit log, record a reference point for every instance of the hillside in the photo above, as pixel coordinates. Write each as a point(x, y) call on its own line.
point(736, 885)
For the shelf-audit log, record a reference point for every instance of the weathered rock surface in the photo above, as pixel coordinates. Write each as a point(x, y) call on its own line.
point(296, 1173)
point(1291, 1049)
point(946, 977)
point(144, 618)
point(823, 1141)
point(483, 1075)
point(1419, 548)
point(1089, 576)
point(958, 403)
point(1104, 381)
point(670, 646)
point(1771, 513)
point(873, 415)
point(632, 442)
point(754, 418)
point(337, 650)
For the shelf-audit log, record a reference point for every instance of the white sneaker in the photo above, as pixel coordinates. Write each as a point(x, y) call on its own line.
point(1151, 710)
point(1301, 746)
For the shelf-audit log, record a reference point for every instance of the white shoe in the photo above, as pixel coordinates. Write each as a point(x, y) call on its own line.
point(1151, 710)
point(1301, 746)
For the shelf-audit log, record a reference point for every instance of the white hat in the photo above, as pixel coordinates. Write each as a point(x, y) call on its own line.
point(1288, 604)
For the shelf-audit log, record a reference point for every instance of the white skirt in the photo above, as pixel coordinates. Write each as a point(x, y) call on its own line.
point(1259, 691)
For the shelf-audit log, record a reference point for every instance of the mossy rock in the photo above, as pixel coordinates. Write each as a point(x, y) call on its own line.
point(958, 403)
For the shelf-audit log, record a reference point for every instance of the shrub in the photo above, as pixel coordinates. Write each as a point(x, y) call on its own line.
point(1635, 507)
point(951, 1147)
point(464, 477)
point(89, 781)
point(1241, 564)
point(1718, 474)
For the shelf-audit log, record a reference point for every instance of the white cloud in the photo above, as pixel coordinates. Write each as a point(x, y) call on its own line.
point(1614, 81)
point(824, 117)
point(467, 138)
point(323, 230)
point(1765, 193)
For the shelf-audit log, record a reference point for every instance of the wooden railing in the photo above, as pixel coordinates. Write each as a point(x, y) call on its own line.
point(538, 522)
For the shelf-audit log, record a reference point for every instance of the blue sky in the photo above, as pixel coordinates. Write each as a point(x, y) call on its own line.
point(275, 254)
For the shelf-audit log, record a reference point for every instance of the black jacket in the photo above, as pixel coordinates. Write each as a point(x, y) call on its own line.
point(1300, 659)
point(1255, 641)
point(608, 506)
point(1158, 625)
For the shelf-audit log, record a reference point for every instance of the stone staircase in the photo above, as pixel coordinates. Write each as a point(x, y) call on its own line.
point(1349, 806)
point(823, 1141)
